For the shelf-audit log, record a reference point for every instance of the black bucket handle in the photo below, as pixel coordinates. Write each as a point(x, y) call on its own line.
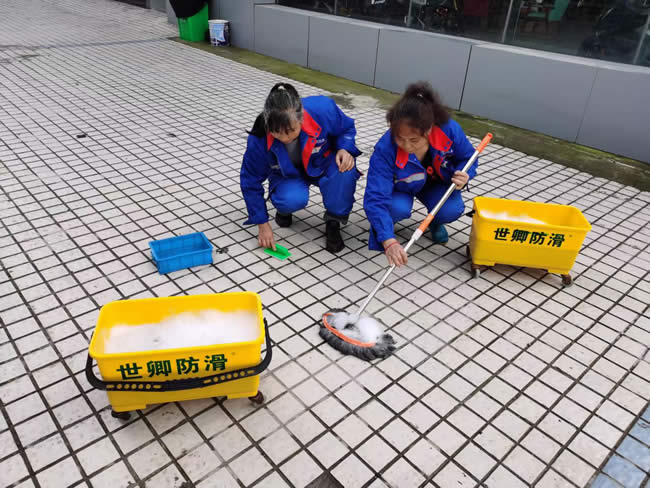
point(182, 384)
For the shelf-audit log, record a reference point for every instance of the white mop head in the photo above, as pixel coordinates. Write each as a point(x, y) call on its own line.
point(363, 337)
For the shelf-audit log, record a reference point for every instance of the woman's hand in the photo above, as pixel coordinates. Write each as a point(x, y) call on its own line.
point(460, 179)
point(344, 160)
point(395, 253)
point(265, 236)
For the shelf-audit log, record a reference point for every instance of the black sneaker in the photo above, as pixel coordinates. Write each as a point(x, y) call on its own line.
point(283, 220)
point(333, 236)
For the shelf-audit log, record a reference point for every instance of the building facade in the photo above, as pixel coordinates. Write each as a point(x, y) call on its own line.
point(555, 68)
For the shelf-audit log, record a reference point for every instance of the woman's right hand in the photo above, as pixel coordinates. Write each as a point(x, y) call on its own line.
point(395, 253)
point(265, 236)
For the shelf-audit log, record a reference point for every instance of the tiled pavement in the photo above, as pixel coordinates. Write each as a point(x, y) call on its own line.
point(111, 135)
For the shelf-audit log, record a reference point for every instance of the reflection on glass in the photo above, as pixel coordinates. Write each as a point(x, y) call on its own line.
point(617, 32)
point(609, 30)
point(614, 30)
point(642, 54)
point(479, 19)
point(327, 6)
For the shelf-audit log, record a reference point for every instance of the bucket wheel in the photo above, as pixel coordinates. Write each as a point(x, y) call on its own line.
point(567, 280)
point(476, 269)
point(258, 399)
point(121, 415)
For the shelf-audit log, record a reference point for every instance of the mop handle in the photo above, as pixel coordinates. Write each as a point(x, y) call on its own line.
point(429, 218)
point(425, 223)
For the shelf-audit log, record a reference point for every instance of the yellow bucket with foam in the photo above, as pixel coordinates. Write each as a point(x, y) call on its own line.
point(134, 380)
point(553, 244)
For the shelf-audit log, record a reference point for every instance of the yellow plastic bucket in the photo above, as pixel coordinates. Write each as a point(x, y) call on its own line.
point(552, 245)
point(135, 380)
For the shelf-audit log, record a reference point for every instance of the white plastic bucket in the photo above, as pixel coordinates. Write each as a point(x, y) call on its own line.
point(219, 32)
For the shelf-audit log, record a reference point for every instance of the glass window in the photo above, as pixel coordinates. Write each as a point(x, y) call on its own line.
point(479, 19)
point(613, 30)
point(642, 55)
point(327, 6)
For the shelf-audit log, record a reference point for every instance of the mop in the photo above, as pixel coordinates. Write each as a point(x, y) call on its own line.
point(364, 337)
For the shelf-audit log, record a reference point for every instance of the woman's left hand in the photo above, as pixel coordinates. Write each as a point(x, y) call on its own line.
point(460, 179)
point(344, 160)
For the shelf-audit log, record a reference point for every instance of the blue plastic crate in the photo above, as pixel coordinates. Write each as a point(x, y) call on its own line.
point(181, 252)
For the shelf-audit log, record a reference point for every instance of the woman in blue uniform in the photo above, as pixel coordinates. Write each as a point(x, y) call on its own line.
point(296, 143)
point(419, 157)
